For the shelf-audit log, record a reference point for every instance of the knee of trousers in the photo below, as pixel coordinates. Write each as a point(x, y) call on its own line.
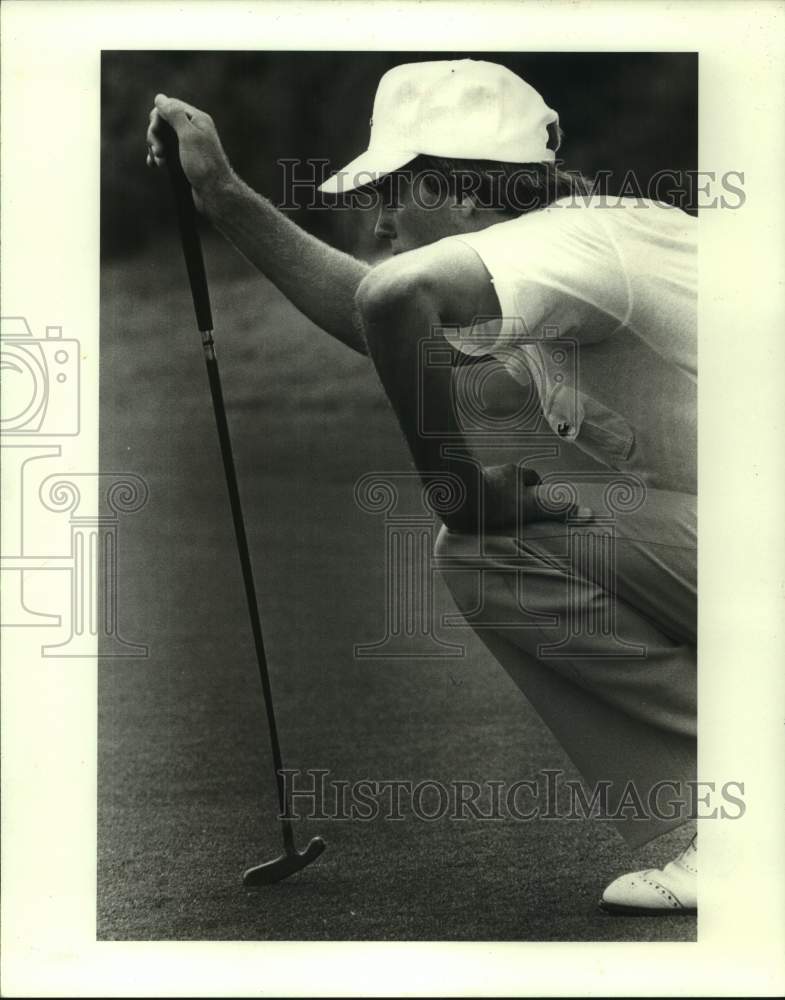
point(496, 556)
point(460, 550)
point(460, 557)
point(451, 551)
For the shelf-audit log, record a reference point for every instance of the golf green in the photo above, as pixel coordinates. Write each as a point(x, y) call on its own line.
point(186, 797)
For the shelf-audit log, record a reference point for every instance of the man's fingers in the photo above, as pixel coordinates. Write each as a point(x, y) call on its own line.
point(175, 112)
point(531, 477)
point(155, 148)
point(549, 504)
point(182, 117)
point(178, 114)
point(181, 114)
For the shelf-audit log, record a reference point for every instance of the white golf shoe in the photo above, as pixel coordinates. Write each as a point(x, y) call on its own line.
point(656, 891)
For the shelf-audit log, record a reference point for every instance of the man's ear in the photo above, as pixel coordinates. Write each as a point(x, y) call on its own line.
point(467, 206)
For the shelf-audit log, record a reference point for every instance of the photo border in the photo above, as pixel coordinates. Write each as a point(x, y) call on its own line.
point(50, 231)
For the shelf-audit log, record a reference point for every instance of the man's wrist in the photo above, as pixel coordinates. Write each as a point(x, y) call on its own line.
point(217, 194)
point(504, 491)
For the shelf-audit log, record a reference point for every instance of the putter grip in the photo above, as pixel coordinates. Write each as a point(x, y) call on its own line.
point(189, 234)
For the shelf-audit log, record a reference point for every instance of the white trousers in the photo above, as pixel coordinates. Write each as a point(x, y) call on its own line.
point(596, 623)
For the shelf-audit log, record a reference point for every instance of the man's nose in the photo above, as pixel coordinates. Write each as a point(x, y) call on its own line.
point(385, 227)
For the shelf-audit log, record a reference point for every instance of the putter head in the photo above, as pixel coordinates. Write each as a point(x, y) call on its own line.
point(283, 867)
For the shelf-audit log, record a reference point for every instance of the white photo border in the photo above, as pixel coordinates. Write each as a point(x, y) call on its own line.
point(51, 56)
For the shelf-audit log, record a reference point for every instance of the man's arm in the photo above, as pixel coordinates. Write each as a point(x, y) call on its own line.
point(399, 309)
point(401, 303)
point(318, 279)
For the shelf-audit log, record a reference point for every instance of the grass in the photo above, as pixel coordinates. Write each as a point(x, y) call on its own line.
point(186, 795)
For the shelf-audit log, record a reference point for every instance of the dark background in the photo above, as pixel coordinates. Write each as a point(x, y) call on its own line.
point(620, 112)
point(186, 798)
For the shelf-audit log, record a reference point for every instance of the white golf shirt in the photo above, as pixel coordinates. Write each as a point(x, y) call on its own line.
point(598, 304)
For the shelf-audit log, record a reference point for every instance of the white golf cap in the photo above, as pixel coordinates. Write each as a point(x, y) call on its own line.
point(467, 109)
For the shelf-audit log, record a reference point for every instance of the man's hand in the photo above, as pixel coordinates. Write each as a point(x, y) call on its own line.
point(204, 162)
point(513, 496)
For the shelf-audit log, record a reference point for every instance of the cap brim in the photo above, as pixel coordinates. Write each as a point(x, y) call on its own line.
point(367, 168)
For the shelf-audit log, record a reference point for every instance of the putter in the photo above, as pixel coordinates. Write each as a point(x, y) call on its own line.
point(291, 860)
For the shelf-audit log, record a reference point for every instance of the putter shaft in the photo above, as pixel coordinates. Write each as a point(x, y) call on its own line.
point(194, 260)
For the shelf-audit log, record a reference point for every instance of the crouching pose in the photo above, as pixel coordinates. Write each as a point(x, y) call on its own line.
point(579, 575)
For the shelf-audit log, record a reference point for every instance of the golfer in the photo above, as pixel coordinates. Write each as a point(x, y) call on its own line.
point(580, 579)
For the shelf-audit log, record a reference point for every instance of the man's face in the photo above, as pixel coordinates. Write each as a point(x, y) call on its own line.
point(412, 214)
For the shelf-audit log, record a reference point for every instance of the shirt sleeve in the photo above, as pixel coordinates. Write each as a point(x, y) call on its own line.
point(555, 271)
